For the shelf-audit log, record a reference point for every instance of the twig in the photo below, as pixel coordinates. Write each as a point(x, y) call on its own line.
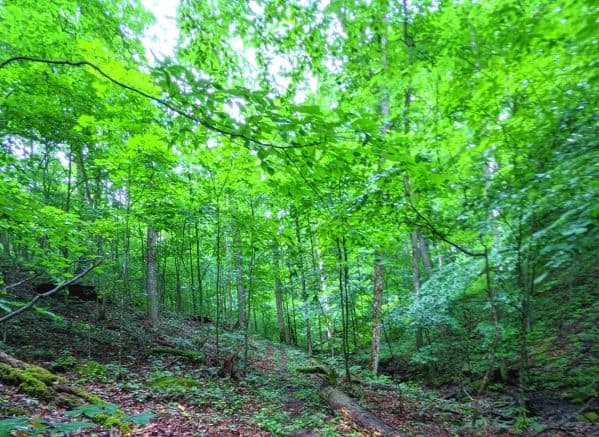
point(16, 284)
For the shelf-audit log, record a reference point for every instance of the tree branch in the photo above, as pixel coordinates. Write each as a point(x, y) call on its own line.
point(16, 284)
point(429, 225)
point(162, 102)
point(51, 292)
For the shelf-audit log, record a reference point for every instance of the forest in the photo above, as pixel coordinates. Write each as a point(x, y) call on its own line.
point(301, 217)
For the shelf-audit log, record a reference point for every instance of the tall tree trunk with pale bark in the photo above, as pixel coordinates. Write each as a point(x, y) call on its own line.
point(151, 278)
point(416, 280)
point(305, 300)
point(241, 305)
point(279, 294)
point(376, 313)
point(378, 280)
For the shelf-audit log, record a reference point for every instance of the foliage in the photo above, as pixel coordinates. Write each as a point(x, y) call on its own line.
point(93, 371)
point(109, 415)
point(283, 150)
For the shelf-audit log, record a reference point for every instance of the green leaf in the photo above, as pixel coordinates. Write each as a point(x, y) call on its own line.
point(4, 306)
point(141, 419)
point(48, 313)
point(540, 278)
point(76, 425)
point(8, 425)
point(92, 410)
point(308, 109)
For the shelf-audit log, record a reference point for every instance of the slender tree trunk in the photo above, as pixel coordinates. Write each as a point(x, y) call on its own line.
point(525, 279)
point(347, 300)
point(376, 313)
point(304, 296)
point(354, 321)
point(199, 271)
point(161, 272)
point(416, 281)
point(151, 282)
point(287, 314)
point(192, 278)
point(127, 241)
point(227, 280)
point(292, 315)
point(425, 254)
point(179, 297)
point(495, 316)
point(218, 277)
point(250, 307)
point(344, 308)
point(378, 270)
point(406, 128)
point(279, 294)
point(321, 286)
point(5, 243)
point(241, 305)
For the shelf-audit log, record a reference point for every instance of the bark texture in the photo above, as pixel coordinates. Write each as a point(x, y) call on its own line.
point(363, 418)
point(279, 296)
point(241, 305)
point(151, 280)
point(376, 314)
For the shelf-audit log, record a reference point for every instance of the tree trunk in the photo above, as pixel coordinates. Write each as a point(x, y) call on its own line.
point(321, 287)
point(378, 271)
point(363, 418)
point(376, 313)
point(304, 296)
point(416, 281)
point(178, 291)
point(241, 305)
point(279, 294)
point(199, 271)
point(217, 248)
point(192, 279)
point(250, 292)
point(425, 254)
point(342, 261)
point(151, 280)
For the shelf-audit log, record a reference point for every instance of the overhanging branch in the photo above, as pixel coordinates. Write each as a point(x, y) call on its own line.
point(51, 292)
point(162, 102)
point(436, 232)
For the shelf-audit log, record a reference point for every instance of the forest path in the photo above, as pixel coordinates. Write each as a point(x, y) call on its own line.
point(402, 410)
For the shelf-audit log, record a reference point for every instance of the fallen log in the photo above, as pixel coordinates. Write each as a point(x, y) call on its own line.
point(363, 418)
point(46, 386)
point(342, 403)
point(328, 373)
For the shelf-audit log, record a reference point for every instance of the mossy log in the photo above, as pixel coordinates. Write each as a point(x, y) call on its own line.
point(191, 355)
point(329, 374)
point(363, 418)
point(42, 384)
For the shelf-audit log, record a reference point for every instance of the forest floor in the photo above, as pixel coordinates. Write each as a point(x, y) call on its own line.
point(166, 394)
